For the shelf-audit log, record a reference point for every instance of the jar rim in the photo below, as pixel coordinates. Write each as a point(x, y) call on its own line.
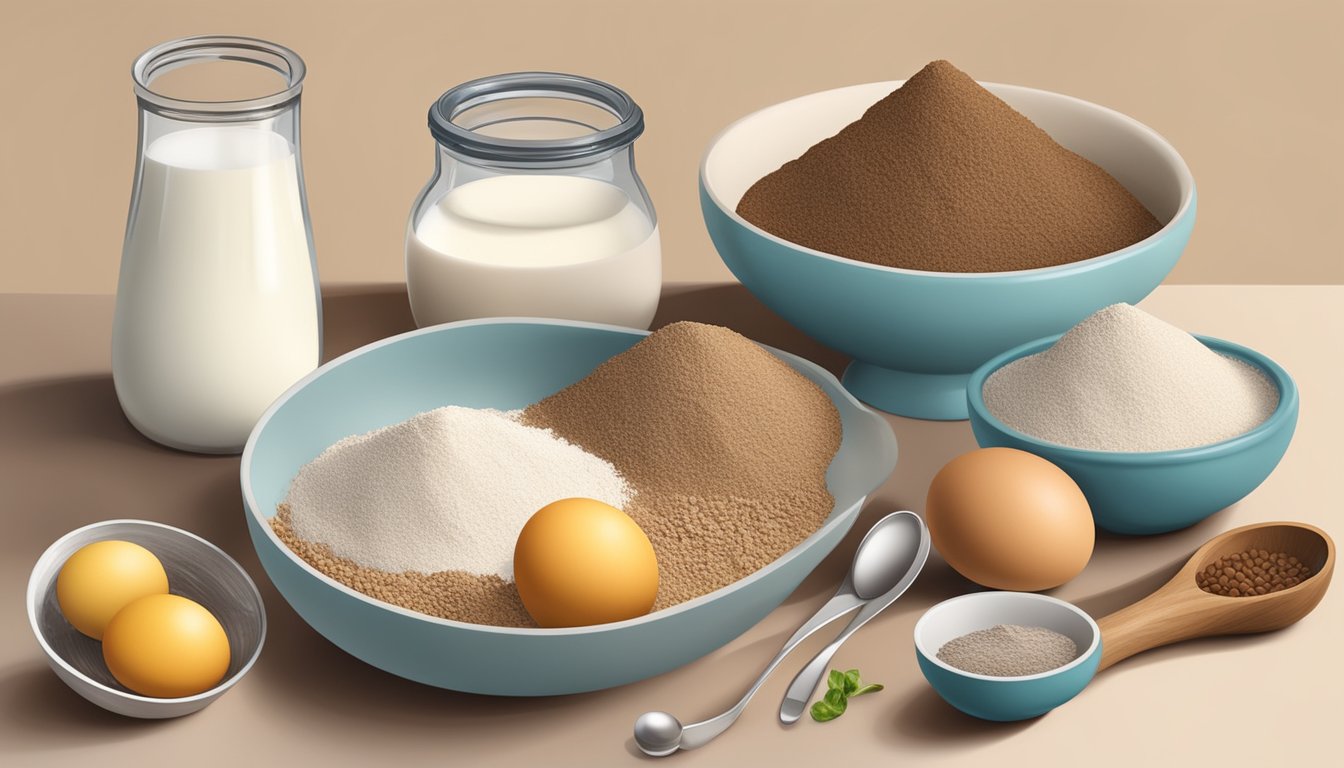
point(187, 50)
point(477, 146)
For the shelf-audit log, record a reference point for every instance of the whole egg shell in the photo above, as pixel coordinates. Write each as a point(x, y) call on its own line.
point(1008, 519)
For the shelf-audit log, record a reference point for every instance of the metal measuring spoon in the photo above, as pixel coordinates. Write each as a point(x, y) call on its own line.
point(890, 554)
point(913, 542)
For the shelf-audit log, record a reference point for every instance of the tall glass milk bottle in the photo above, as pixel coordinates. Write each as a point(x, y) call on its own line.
point(534, 208)
point(218, 310)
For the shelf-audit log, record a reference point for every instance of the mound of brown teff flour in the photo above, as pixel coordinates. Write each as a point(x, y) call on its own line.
point(725, 446)
point(943, 176)
point(701, 410)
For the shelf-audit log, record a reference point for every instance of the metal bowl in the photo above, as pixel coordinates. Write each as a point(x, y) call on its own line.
point(196, 569)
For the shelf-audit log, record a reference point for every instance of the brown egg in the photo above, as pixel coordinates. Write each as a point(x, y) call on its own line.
point(1008, 519)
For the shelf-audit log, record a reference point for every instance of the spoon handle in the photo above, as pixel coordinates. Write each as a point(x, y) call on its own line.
point(1176, 612)
point(1158, 619)
point(844, 601)
point(805, 682)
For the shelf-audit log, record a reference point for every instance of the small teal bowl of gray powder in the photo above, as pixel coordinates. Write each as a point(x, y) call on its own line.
point(1158, 427)
point(1007, 655)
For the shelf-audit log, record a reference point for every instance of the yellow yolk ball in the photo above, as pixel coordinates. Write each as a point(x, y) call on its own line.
point(580, 561)
point(102, 578)
point(166, 646)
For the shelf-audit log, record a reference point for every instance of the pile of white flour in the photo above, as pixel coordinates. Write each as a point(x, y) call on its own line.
point(448, 489)
point(1123, 380)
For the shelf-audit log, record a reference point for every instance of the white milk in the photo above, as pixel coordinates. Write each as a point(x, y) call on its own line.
point(534, 246)
point(217, 305)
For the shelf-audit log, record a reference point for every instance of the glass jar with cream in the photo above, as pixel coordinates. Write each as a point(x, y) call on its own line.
point(534, 208)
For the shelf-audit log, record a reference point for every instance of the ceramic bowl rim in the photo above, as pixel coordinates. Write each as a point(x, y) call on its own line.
point(1174, 160)
point(1283, 412)
point(206, 695)
point(254, 510)
point(1083, 656)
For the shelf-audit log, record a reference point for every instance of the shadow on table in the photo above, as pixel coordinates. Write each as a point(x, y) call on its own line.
point(924, 718)
point(41, 710)
point(1172, 549)
point(69, 458)
point(354, 315)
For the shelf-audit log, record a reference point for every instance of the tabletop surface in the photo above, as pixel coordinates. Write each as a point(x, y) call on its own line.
point(68, 457)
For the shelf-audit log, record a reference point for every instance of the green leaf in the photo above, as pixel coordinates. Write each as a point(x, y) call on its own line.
point(822, 712)
point(841, 686)
point(836, 680)
point(851, 681)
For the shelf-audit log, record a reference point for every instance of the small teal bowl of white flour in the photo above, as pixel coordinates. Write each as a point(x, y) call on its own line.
point(1159, 428)
point(507, 364)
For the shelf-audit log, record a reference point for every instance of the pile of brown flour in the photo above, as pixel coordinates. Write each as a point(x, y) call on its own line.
point(725, 445)
point(943, 176)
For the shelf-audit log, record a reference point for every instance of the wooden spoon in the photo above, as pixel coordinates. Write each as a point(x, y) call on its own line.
point(1180, 610)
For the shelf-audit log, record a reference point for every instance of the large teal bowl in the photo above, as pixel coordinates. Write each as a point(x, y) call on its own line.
point(916, 336)
point(1157, 491)
point(1006, 698)
point(510, 363)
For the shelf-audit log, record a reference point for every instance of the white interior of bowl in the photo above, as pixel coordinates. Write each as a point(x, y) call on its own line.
point(1133, 153)
point(959, 616)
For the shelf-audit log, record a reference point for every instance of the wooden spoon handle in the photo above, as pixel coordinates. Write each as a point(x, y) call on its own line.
point(1126, 632)
point(1164, 617)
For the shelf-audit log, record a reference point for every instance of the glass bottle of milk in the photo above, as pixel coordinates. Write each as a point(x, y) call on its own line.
point(534, 208)
point(218, 310)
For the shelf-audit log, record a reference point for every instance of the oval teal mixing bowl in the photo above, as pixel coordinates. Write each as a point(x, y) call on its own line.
point(1006, 698)
point(916, 336)
point(1158, 491)
point(506, 364)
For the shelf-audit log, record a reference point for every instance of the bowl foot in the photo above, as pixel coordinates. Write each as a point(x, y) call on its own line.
point(929, 396)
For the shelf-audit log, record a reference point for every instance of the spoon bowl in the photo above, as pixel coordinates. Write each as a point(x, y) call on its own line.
point(888, 553)
point(658, 734)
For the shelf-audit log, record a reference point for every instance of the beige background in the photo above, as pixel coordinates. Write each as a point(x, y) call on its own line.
point(1249, 92)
